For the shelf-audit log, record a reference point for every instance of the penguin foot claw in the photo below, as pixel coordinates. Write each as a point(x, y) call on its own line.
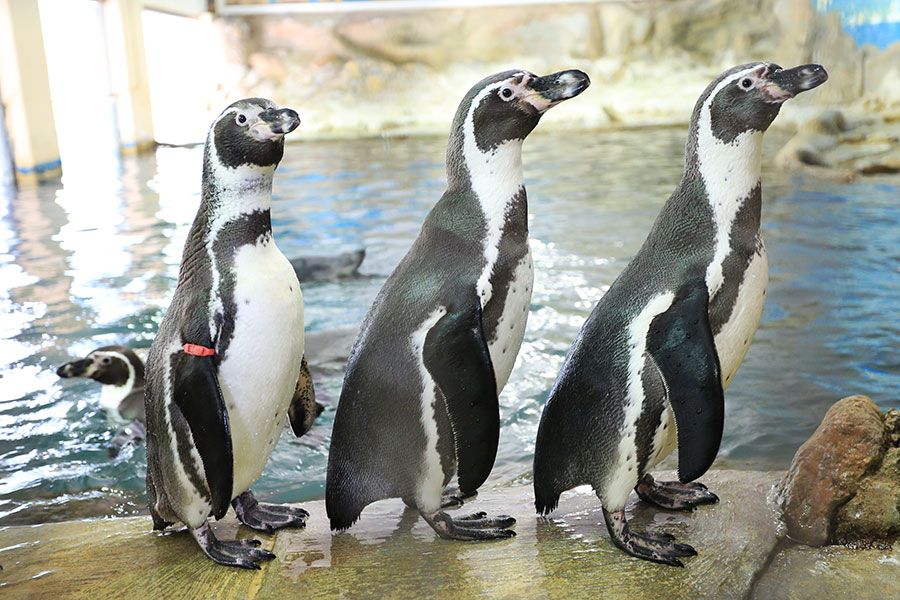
point(674, 495)
point(474, 527)
point(658, 547)
point(267, 517)
point(244, 553)
point(472, 517)
point(453, 498)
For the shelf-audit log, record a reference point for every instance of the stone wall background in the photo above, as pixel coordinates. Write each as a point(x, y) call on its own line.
point(404, 72)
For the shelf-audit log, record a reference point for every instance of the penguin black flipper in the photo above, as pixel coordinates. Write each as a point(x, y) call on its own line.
point(198, 395)
point(681, 343)
point(303, 409)
point(132, 406)
point(456, 355)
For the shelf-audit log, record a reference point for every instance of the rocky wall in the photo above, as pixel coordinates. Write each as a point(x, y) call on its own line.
point(370, 73)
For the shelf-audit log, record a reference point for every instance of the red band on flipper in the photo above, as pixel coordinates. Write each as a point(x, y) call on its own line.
point(198, 350)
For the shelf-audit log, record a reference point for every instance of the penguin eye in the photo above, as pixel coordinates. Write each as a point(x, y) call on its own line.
point(241, 119)
point(506, 93)
point(746, 83)
point(105, 360)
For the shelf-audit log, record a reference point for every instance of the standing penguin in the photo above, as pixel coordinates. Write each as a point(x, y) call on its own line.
point(664, 342)
point(121, 373)
point(419, 402)
point(223, 369)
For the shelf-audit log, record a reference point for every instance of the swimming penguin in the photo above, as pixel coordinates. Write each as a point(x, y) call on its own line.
point(663, 343)
point(328, 268)
point(419, 401)
point(224, 366)
point(121, 373)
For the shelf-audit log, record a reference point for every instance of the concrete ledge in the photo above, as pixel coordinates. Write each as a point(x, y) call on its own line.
point(392, 553)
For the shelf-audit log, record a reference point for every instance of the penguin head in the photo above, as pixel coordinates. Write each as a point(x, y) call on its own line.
point(748, 97)
point(507, 106)
point(250, 133)
point(502, 108)
point(109, 365)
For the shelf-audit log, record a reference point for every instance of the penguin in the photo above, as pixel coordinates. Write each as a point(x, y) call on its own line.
point(224, 367)
point(329, 268)
point(419, 403)
point(121, 373)
point(648, 370)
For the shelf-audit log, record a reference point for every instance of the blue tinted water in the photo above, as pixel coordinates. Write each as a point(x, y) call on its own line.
point(93, 261)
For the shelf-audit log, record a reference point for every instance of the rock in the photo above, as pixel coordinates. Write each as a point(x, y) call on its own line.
point(815, 137)
point(392, 553)
point(409, 68)
point(828, 468)
point(872, 516)
point(806, 149)
point(886, 163)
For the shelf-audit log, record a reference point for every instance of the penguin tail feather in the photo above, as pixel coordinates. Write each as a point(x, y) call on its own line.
point(545, 501)
point(341, 516)
point(340, 523)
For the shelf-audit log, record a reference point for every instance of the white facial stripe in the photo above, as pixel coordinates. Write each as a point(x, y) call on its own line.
point(112, 395)
point(520, 90)
point(241, 190)
point(730, 171)
point(496, 178)
point(428, 494)
point(624, 477)
point(250, 110)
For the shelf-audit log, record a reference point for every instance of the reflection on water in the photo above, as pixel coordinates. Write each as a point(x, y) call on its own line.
point(94, 262)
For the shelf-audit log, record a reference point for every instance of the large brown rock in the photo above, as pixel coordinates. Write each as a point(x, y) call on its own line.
point(872, 515)
point(829, 467)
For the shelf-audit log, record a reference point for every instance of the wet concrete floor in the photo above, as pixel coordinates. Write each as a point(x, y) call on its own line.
point(392, 553)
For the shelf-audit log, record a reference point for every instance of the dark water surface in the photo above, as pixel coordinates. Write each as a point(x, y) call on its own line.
point(94, 262)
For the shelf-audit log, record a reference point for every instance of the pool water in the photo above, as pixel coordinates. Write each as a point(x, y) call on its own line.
point(94, 260)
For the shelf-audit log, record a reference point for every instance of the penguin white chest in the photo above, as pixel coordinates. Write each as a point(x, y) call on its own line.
point(111, 396)
point(733, 340)
point(262, 362)
point(506, 340)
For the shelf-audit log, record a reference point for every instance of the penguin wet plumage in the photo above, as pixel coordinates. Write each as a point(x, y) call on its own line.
point(223, 368)
point(121, 373)
point(420, 396)
point(666, 339)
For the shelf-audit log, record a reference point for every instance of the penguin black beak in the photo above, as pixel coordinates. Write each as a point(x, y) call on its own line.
point(75, 368)
point(787, 83)
point(274, 123)
point(552, 89)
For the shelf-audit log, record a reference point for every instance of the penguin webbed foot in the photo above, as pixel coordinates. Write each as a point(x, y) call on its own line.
point(244, 554)
point(454, 498)
point(474, 527)
point(658, 547)
point(674, 495)
point(267, 517)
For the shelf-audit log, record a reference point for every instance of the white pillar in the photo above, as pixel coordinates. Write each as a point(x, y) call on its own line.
point(128, 73)
point(25, 92)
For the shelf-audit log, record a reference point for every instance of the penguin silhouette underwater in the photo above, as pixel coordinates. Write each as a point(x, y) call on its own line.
point(419, 402)
point(649, 368)
point(224, 367)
